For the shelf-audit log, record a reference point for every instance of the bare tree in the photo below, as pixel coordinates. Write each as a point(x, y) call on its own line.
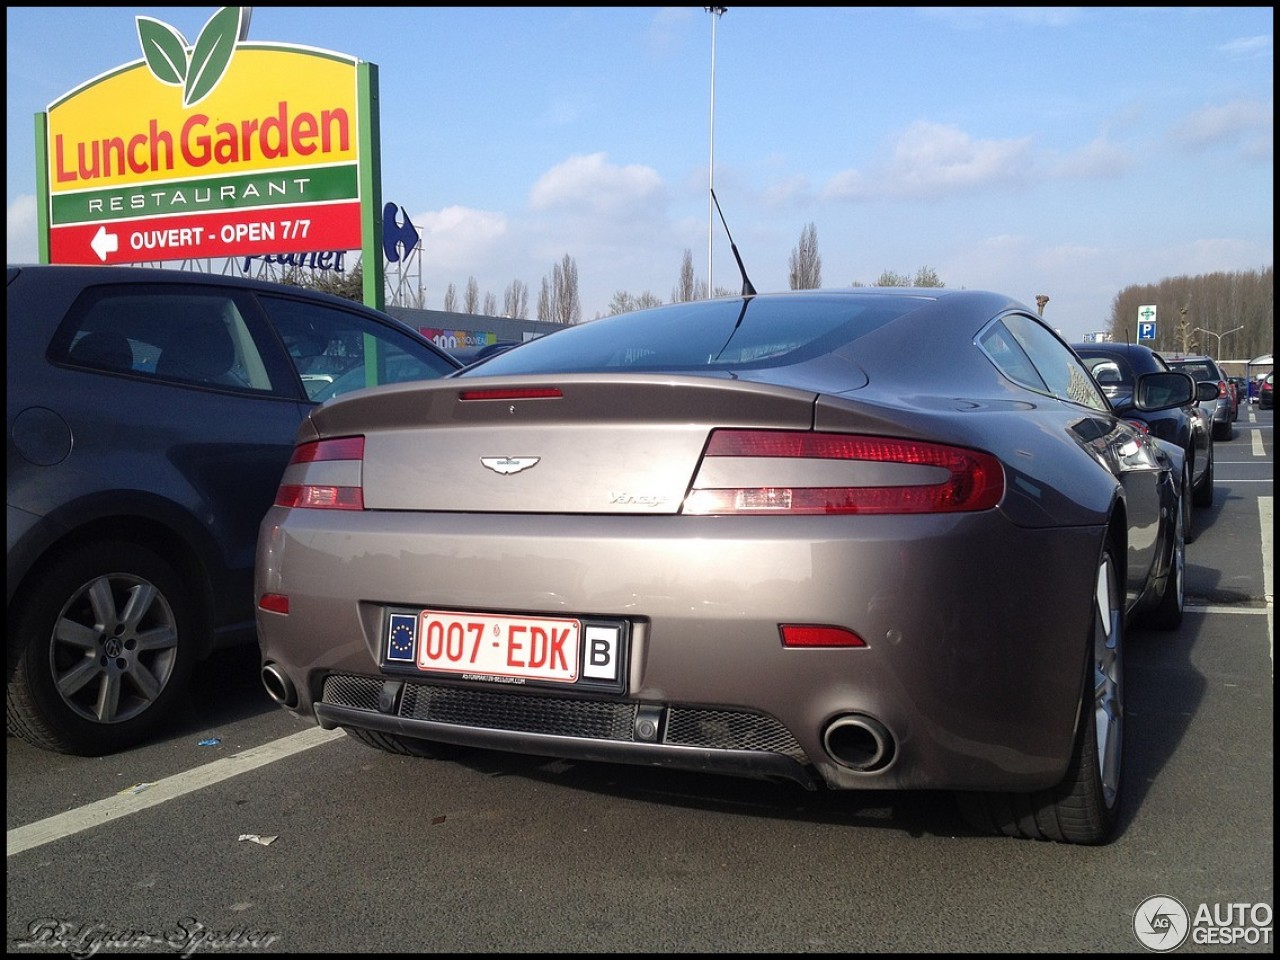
point(490, 308)
point(925, 277)
point(471, 299)
point(689, 288)
point(544, 301)
point(806, 265)
point(1219, 302)
point(565, 306)
point(515, 301)
point(624, 302)
point(451, 299)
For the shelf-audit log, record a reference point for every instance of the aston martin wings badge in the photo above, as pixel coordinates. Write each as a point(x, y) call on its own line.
point(509, 464)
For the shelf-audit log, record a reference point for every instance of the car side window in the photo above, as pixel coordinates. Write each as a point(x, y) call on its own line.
point(1059, 370)
point(190, 334)
point(1006, 353)
point(335, 350)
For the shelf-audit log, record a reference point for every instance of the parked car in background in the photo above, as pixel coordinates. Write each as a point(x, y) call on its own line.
point(1241, 387)
point(866, 538)
point(1265, 397)
point(1116, 366)
point(150, 415)
point(1221, 408)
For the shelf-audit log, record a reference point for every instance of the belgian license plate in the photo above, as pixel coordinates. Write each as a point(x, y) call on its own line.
point(530, 648)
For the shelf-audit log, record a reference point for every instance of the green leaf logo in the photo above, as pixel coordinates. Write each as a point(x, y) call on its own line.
point(198, 71)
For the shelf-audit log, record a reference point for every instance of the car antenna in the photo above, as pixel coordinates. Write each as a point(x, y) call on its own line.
point(747, 289)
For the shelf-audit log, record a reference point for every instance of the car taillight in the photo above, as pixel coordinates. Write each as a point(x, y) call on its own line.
point(904, 476)
point(324, 475)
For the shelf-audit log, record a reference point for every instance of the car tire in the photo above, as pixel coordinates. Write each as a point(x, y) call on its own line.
point(1224, 430)
point(1084, 807)
point(1202, 495)
point(1167, 613)
point(100, 651)
point(405, 746)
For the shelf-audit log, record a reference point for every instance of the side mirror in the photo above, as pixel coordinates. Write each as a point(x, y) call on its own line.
point(1163, 391)
point(1206, 390)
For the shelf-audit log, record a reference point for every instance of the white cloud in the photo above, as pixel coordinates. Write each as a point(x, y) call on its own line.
point(457, 238)
point(976, 18)
point(1224, 123)
point(932, 160)
point(1248, 48)
point(1100, 159)
point(789, 192)
point(666, 35)
point(591, 185)
point(21, 244)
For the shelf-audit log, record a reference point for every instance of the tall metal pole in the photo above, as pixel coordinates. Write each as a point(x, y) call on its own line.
point(716, 13)
point(1219, 336)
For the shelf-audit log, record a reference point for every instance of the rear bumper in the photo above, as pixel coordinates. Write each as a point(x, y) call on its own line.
point(977, 633)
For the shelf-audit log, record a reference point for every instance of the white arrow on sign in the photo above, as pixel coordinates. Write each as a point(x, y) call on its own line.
point(104, 243)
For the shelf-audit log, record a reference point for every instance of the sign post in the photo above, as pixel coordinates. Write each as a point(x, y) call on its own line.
point(221, 148)
point(1147, 322)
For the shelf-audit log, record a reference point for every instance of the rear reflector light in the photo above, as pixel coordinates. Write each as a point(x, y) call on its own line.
point(811, 635)
point(274, 603)
point(322, 496)
point(512, 393)
point(974, 481)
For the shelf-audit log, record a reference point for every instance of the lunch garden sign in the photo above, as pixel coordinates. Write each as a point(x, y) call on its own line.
point(221, 148)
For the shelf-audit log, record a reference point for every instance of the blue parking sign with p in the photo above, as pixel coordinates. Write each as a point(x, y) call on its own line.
point(1147, 330)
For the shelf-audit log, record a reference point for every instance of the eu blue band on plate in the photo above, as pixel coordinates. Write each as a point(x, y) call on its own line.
point(402, 638)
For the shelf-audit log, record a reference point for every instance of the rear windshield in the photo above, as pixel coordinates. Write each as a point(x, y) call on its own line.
point(1199, 369)
point(1108, 369)
point(704, 335)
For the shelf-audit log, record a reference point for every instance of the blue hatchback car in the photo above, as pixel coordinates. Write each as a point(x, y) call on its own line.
point(150, 415)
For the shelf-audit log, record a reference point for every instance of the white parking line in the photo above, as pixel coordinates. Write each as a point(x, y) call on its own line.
point(142, 796)
point(1242, 611)
point(1265, 518)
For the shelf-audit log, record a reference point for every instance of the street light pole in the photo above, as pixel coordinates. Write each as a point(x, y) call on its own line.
point(716, 13)
point(1218, 355)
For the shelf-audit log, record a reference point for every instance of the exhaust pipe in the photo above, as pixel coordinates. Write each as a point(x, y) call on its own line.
point(279, 687)
point(859, 743)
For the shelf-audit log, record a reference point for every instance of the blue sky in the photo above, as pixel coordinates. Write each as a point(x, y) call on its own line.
point(1067, 151)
